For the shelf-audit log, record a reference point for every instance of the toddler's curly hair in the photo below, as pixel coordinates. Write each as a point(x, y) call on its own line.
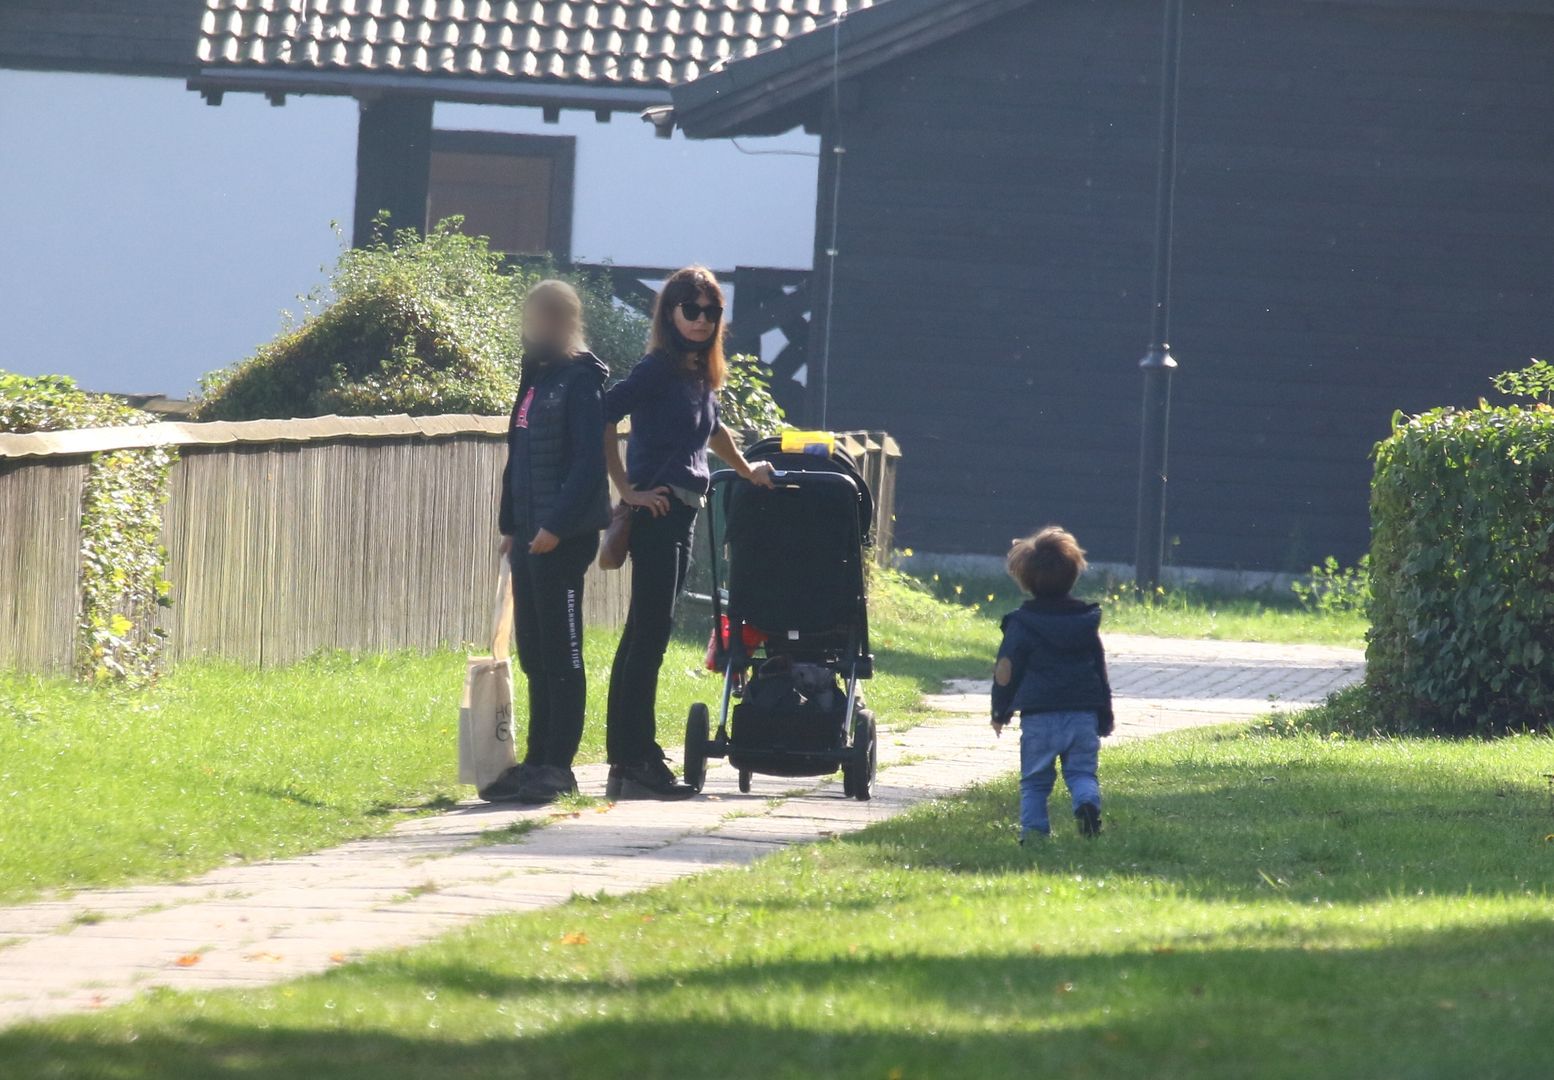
point(1047, 563)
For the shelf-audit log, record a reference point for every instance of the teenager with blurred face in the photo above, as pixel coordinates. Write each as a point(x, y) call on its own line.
point(555, 501)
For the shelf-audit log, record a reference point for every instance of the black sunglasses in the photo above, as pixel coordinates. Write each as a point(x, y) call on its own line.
point(693, 311)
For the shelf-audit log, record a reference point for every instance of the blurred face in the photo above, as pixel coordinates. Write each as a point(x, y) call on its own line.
point(698, 319)
point(546, 324)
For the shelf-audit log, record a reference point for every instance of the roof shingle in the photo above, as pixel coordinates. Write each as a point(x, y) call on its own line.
point(622, 43)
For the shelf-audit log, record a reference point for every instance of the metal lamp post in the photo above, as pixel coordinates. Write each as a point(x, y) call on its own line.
point(1158, 364)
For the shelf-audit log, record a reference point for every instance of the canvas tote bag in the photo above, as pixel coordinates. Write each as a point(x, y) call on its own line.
point(486, 710)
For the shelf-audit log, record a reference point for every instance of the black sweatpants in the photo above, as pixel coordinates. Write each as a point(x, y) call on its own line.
point(548, 610)
point(660, 559)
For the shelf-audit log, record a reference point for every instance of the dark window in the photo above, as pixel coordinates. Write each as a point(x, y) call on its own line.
point(516, 189)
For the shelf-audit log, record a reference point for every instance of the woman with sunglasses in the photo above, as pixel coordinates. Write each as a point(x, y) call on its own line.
point(671, 397)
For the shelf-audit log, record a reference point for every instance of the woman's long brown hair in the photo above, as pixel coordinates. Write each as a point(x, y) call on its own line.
point(691, 283)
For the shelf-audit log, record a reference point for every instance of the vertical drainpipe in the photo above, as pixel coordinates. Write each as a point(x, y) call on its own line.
point(1158, 364)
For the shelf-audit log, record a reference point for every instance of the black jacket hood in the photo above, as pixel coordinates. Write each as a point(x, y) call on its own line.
point(589, 360)
point(584, 359)
point(1066, 624)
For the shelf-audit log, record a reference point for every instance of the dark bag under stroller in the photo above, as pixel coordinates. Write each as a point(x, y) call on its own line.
point(797, 708)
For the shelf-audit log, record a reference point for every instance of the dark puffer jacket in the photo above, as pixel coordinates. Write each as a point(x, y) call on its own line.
point(555, 478)
point(1055, 662)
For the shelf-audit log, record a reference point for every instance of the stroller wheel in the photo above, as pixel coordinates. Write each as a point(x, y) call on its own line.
point(696, 737)
point(744, 781)
point(858, 775)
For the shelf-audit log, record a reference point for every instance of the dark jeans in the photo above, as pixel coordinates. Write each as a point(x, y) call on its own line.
point(660, 558)
point(548, 608)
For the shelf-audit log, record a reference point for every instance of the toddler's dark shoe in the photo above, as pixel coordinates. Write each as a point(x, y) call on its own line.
point(1032, 838)
point(1089, 817)
point(651, 779)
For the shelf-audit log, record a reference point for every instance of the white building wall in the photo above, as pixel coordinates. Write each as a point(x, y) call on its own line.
point(146, 238)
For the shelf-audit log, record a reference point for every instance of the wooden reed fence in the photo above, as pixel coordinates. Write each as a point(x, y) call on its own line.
point(40, 562)
point(285, 537)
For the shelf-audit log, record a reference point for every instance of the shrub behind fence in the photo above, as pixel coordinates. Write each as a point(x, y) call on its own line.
point(1462, 563)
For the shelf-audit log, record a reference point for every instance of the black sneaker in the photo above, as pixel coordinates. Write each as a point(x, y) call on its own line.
point(651, 779)
point(1089, 817)
point(509, 787)
point(547, 783)
point(566, 779)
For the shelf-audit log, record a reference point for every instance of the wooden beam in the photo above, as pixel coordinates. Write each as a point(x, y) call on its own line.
point(393, 164)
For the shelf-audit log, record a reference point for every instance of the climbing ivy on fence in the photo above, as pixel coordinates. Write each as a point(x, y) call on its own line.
point(123, 580)
point(1462, 568)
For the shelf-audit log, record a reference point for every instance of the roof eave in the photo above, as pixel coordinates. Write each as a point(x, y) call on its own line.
point(473, 91)
point(731, 101)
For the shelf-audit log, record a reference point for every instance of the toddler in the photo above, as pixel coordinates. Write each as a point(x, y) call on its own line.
point(1052, 671)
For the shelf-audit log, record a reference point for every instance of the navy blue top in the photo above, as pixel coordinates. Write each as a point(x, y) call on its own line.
point(1056, 662)
point(673, 415)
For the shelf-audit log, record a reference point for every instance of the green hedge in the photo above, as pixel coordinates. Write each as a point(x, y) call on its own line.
point(1462, 564)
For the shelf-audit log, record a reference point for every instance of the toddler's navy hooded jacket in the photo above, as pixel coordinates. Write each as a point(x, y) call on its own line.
point(1056, 661)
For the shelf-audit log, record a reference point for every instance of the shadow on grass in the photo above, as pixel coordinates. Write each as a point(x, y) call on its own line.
point(1449, 1003)
point(1295, 816)
point(288, 794)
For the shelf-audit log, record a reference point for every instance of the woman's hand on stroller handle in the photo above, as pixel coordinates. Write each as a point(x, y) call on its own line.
point(761, 474)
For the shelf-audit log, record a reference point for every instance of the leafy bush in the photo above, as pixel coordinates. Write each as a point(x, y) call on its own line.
point(746, 400)
point(1331, 589)
point(1535, 381)
point(419, 325)
point(55, 403)
point(616, 333)
point(1349, 712)
point(1462, 611)
point(122, 560)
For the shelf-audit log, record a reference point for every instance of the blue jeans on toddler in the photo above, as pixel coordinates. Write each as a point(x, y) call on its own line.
point(1045, 740)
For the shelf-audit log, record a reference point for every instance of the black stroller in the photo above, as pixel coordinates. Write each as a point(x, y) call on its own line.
point(790, 624)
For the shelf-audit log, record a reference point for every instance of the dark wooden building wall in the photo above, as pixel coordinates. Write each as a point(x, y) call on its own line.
point(128, 37)
point(1365, 223)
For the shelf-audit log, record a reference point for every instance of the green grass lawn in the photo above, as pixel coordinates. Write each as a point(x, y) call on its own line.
point(220, 761)
point(1261, 905)
point(1187, 612)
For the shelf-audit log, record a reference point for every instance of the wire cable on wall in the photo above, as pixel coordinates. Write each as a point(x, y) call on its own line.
point(772, 153)
point(838, 149)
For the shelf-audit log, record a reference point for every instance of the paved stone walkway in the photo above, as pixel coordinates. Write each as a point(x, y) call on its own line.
point(250, 925)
